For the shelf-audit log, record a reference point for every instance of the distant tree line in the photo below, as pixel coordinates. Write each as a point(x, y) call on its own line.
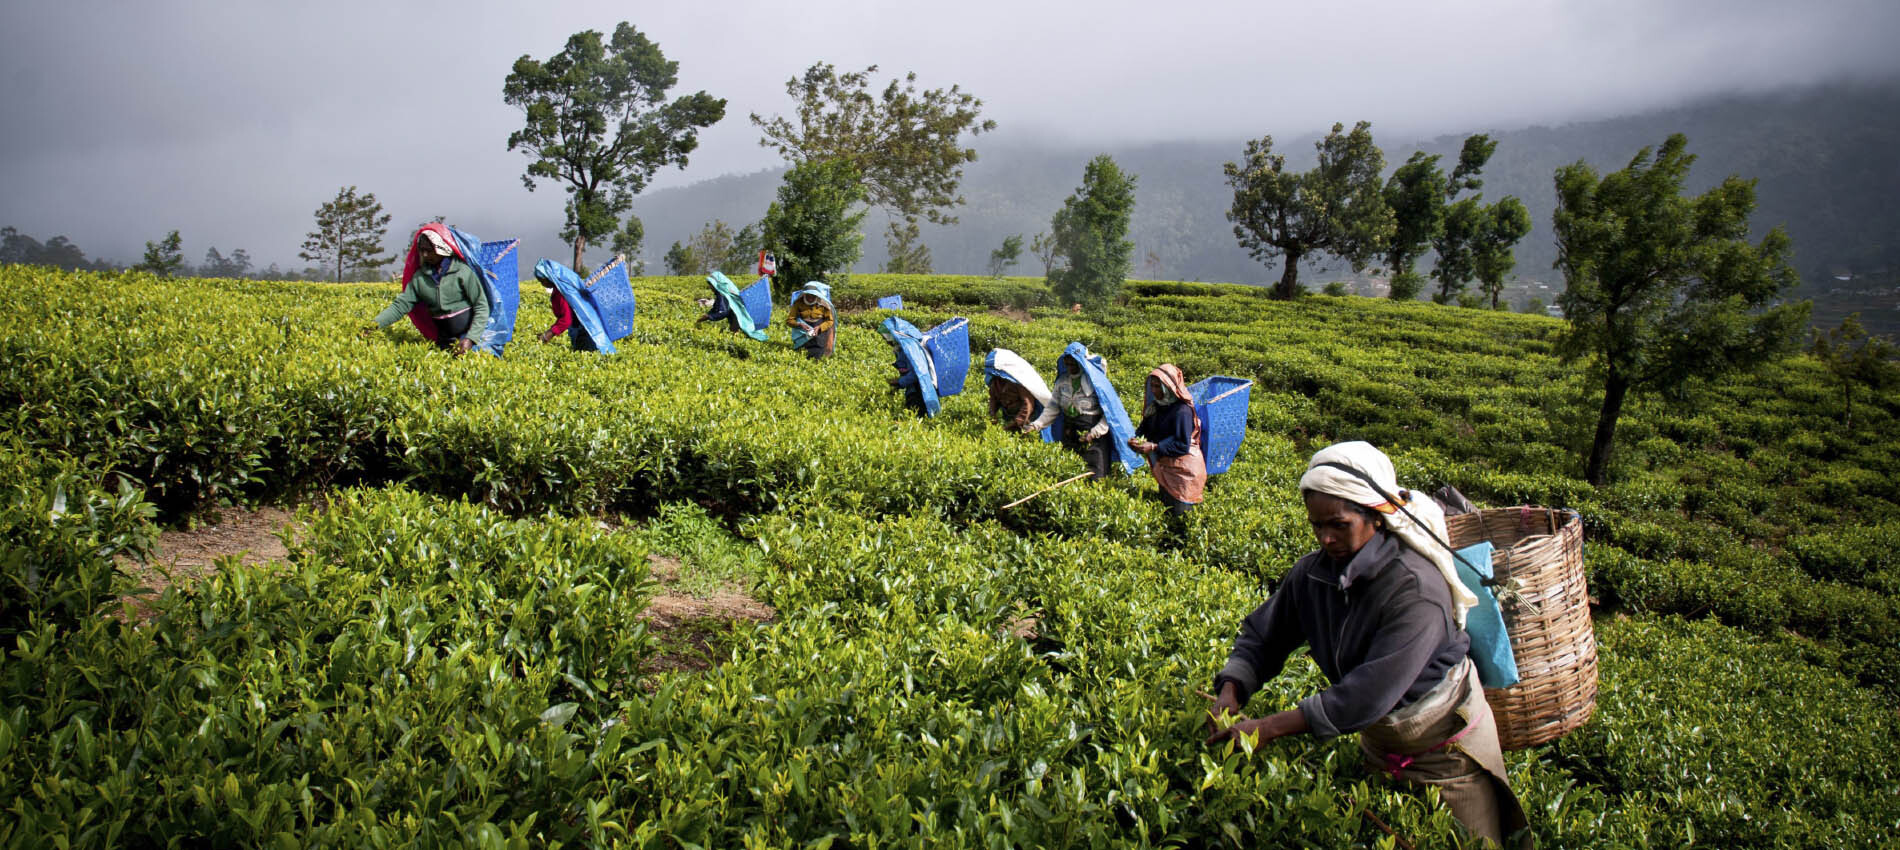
point(164, 257)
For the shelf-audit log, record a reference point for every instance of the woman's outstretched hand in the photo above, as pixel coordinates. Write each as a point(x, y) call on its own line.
point(1263, 729)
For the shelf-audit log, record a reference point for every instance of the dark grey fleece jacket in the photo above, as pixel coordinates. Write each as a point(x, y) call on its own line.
point(1380, 629)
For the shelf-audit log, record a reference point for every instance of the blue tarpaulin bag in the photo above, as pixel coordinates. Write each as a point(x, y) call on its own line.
point(758, 301)
point(610, 292)
point(910, 347)
point(948, 345)
point(1220, 403)
point(501, 275)
point(891, 302)
point(587, 331)
point(1490, 644)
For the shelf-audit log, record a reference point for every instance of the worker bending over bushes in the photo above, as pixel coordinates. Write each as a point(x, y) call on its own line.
point(1383, 611)
point(442, 292)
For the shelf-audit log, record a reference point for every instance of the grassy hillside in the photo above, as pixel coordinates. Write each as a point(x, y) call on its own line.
point(453, 654)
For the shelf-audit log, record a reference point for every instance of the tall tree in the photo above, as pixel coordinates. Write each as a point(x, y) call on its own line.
point(905, 145)
point(1417, 193)
point(1456, 245)
point(1007, 255)
point(349, 234)
point(165, 258)
point(1493, 250)
point(1338, 208)
point(905, 245)
point(712, 247)
point(680, 260)
point(598, 122)
point(218, 265)
point(1856, 359)
point(1044, 247)
point(1661, 288)
point(1091, 234)
point(58, 252)
point(812, 226)
point(627, 243)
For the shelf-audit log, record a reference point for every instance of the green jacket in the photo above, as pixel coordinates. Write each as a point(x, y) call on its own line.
point(461, 287)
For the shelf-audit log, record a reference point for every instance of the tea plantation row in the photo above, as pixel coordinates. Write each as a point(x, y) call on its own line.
point(428, 671)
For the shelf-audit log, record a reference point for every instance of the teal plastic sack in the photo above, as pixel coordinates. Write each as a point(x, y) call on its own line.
point(1490, 644)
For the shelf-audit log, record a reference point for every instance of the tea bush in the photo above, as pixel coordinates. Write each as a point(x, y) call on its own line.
point(453, 655)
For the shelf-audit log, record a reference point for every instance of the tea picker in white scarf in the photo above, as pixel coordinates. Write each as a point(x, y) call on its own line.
point(1363, 475)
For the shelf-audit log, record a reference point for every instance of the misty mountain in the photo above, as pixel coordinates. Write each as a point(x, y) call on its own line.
point(1827, 161)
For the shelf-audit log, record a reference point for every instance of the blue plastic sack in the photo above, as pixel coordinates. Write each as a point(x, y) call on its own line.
point(1119, 426)
point(501, 276)
point(586, 317)
point(910, 346)
point(1490, 643)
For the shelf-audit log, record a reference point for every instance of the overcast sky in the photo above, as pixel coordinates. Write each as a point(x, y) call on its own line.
point(232, 121)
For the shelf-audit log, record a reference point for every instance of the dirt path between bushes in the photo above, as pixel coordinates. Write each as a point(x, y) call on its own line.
point(691, 627)
point(187, 555)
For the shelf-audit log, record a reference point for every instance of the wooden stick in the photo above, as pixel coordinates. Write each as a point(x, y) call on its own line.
point(1054, 486)
point(1228, 393)
point(1381, 825)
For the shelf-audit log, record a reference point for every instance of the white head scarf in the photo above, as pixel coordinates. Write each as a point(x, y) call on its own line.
point(1012, 364)
point(1418, 522)
point(440, 245)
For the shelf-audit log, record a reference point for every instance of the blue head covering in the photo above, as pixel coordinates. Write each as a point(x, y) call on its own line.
point(1095, 371)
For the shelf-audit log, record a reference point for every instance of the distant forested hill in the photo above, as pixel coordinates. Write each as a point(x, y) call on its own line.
point(1828, 162)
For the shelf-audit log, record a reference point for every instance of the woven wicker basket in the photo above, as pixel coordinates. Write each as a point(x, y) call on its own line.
point(1540, 551)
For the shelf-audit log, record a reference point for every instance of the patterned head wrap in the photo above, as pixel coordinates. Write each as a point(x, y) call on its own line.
point(1363, 475)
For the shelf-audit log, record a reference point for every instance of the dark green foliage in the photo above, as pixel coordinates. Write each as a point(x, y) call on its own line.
point(905, 248)
point(1006, 255)
point(164, 258)
point(1476, 242)
point(59, 533)
point(1857, 360)
point(58, 252)
point(681, 261)
point(1091, 235)
point(905, 145)
point(628, 242)
point(1660, 287)
point(349, 234)
point(1338, 208)
point(812, 227)
point(1718, 735)
point(717, 248)
point(598, 122)
point(1506, 222)
point(218, 265)
point(1417, 193)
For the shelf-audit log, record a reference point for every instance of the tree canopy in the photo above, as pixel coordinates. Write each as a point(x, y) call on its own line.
point(1337, 208)
point(812, 227)
point(165, 258)
point(906, 145)
point(907, 252)
point(1006, 255)
point(1091, 235)
point(1856, 358)
point(349, 234)
point(1417, 193)
point(597, 121)
point(1661, 287)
